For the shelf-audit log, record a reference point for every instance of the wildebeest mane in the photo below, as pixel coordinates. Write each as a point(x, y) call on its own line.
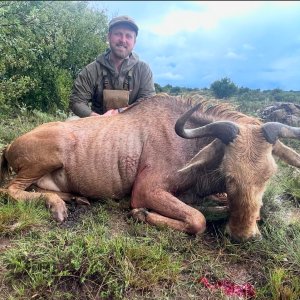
point(211, 110)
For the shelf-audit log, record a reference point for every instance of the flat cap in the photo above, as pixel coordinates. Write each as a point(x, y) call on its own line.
point(123, 20)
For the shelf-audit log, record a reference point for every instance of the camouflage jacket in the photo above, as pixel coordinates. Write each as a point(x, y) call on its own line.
point(88, 86)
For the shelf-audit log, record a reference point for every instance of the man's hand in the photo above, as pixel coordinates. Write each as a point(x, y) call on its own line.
point(113, 112)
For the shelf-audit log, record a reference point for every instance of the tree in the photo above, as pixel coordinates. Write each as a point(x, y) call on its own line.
point(175, 90)
point(167, 88)
point(223, 88)
point(158, 88)
point(43, 45)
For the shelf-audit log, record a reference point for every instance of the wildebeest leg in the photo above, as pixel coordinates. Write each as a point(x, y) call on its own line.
point(16, 191)
point(30, 166)
point(67, 197)
point(167, 210)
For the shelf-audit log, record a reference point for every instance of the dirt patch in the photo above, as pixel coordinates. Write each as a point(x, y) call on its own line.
point(5, 243)
point(75, 213)
point(118, 215)
point(292, 216)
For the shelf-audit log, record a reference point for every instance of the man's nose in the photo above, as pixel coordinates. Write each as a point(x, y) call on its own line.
point(123, 38)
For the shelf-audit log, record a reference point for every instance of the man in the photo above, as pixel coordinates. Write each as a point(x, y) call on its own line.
point(116, 78)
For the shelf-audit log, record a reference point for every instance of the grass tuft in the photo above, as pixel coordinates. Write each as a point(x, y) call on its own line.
point(18, 217)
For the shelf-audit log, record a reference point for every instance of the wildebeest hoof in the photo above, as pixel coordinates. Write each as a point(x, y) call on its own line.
point(59, 210)
point(139, 214)
point(81, 200)
point(60, 216)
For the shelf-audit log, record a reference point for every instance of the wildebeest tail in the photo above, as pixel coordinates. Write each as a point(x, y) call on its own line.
point(4, 167)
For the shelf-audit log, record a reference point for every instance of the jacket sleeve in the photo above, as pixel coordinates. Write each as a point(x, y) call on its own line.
point(147, 88)
point(82, 93)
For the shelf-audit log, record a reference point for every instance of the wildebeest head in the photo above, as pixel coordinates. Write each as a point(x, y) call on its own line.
point(246, 166)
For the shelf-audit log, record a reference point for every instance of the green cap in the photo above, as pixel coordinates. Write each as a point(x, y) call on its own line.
point(123, 20)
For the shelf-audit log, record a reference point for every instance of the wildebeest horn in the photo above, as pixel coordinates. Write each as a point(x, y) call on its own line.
point(288, 155)
point(274, 130)
point(224, 130)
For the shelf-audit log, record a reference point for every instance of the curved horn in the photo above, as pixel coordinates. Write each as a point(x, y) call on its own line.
point(224, 130)
point(273, 131)
point(288, 155)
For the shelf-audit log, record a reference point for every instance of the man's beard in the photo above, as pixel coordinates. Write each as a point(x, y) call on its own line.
point(120, 52)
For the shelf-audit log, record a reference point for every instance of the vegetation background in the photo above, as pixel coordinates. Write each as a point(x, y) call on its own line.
point(44, 45)
point(98, 253)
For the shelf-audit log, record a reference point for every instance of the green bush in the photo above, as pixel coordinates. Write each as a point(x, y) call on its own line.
point(223, 88)
point(43, 45)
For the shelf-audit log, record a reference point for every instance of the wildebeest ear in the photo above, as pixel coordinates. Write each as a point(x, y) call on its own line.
point(286, 154)
point(209, 155)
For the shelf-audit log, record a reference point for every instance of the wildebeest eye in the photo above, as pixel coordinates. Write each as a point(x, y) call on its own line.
point(229, 179)
point(230, 184)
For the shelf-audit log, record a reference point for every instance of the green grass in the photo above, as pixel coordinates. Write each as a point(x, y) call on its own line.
point(87, 256)
point(20, 217)
point(90, 257)
point(24, 121)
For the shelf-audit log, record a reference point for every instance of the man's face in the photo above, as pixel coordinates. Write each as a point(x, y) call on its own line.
point(121, 40)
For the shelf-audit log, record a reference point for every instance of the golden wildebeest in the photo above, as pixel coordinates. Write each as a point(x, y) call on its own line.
point(139, 152)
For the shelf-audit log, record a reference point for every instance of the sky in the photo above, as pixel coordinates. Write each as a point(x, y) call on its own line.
point(256, 44)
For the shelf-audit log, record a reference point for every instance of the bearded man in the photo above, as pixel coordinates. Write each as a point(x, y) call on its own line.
point(117, 78)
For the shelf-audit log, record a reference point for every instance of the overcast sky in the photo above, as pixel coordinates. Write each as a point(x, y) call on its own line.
point(194, 43)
